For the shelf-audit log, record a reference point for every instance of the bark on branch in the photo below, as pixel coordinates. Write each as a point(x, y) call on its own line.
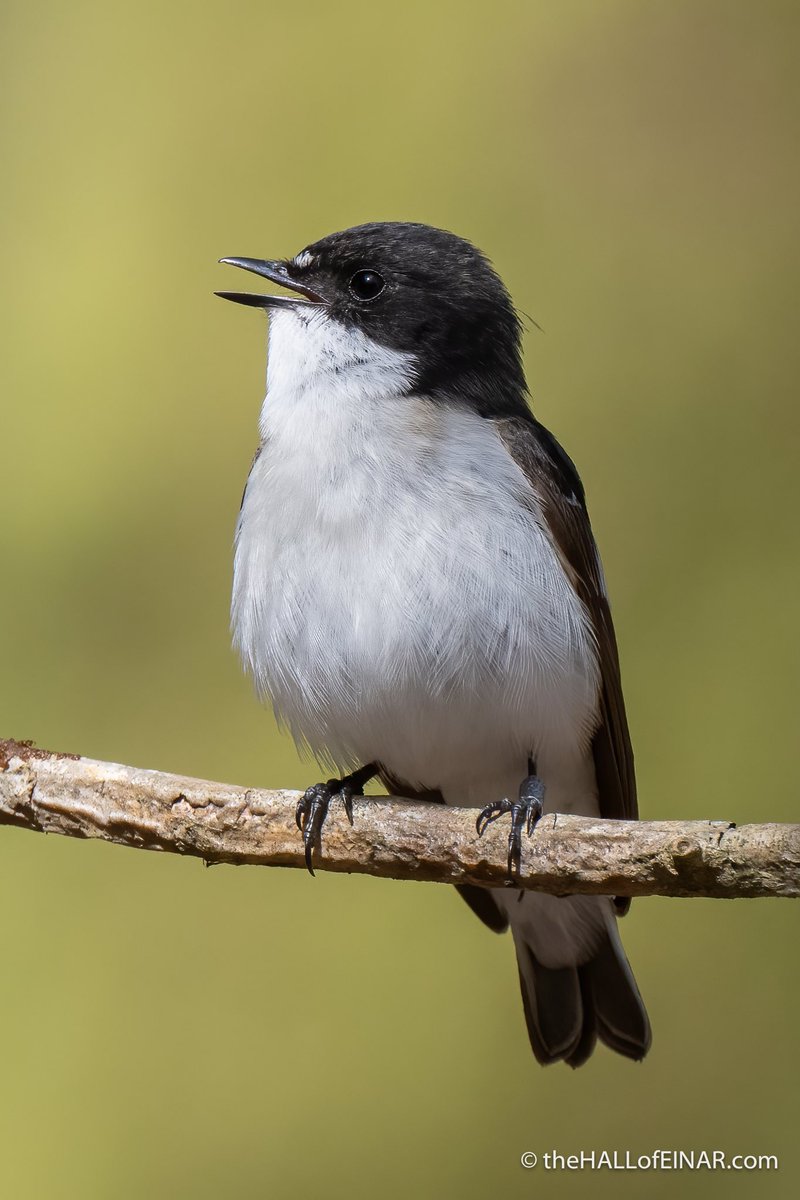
point(150, 810)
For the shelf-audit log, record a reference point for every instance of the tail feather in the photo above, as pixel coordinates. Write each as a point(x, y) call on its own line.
point(568, 1008)
point(554, 1010)
point(622, 1021)
point(588, 1038)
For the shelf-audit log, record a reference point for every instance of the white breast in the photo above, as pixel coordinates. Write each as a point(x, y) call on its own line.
point(393, 597)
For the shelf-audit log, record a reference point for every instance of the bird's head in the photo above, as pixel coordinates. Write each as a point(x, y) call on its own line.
point(400, 297)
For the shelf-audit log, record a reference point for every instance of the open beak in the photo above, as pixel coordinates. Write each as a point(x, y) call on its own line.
point(276, 272)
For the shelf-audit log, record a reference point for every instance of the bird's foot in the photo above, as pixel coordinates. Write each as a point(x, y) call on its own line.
point(312, 808)
point(525, 813)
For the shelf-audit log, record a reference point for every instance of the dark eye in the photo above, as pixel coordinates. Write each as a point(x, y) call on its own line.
point(366, 285)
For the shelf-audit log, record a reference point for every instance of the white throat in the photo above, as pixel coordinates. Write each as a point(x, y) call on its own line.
point(315, 360)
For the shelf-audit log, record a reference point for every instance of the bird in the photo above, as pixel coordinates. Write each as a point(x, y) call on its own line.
point(418, 593)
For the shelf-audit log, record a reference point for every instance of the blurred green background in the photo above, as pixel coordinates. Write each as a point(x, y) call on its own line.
point(632, 169)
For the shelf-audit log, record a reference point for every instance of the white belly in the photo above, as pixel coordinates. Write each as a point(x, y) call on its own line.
point(396, 601)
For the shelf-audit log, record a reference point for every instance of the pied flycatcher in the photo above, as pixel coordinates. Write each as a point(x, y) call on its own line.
point(418, 592)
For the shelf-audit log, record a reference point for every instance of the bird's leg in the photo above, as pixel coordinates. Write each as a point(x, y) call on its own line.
point(525, 812)
point(312, 808)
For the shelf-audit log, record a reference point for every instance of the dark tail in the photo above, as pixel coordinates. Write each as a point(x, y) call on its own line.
point(568, 1008)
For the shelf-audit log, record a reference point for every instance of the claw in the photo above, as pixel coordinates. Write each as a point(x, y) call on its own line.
point(525, 812)
point(347, 795)
point(489, 814)
point(514, 860)
point(310, 815)
point(312, 808)
point(531, 795)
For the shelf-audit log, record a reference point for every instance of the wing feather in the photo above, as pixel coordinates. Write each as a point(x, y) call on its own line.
point(555, 480)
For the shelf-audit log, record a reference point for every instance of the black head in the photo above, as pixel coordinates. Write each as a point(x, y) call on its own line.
point(419, 290)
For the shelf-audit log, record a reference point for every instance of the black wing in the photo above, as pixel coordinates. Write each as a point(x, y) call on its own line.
point(553, 476)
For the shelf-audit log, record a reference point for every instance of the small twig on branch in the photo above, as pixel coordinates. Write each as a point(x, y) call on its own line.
point(401, 839)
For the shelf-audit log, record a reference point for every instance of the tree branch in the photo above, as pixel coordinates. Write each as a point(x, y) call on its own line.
point(401, 839)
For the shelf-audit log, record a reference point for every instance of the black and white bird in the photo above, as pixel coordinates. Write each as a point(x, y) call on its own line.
point(418, 592)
